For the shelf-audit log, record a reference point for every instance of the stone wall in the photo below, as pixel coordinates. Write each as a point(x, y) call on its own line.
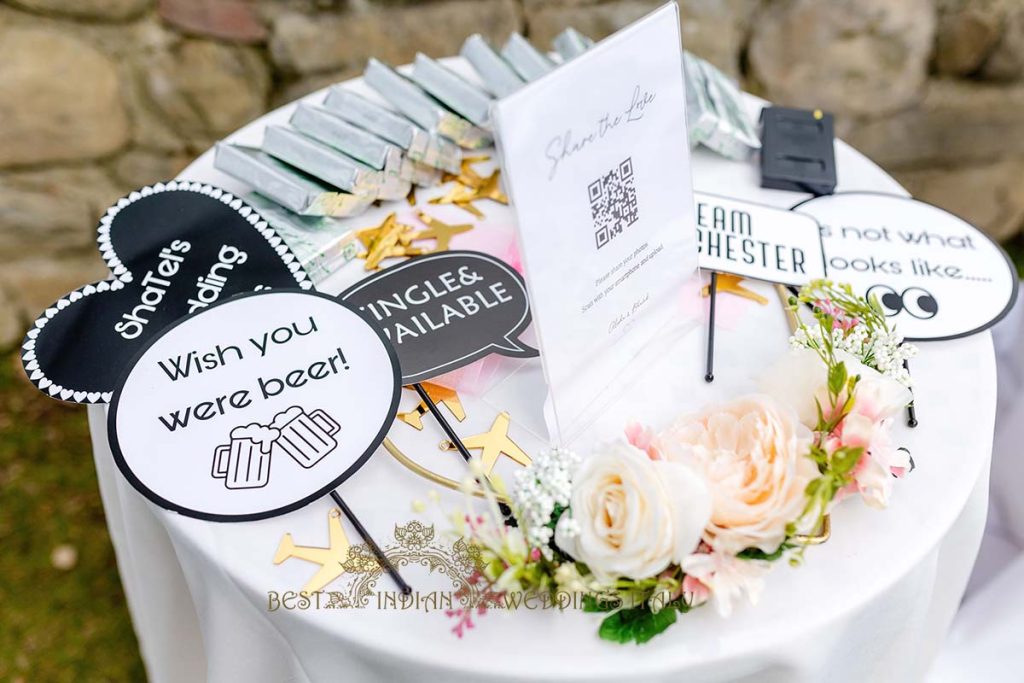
point(100, 96)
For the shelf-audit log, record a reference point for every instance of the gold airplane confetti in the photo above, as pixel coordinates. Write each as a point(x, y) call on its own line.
point(330, 559)
point(730, 284)
point(390, 239)
point(467, 176)
point(471, 186)
point(490, 189)
point(370, 235)
point(442, 396)
point(494, 443)
point(461, 196)
point(439, 231)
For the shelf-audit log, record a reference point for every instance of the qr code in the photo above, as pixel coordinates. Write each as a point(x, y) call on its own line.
point(613, 202)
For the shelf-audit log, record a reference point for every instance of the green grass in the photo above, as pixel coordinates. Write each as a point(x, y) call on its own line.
point(55, 625)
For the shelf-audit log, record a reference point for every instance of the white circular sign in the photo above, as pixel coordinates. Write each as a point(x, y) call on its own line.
point(935, 275)
point(255, 406)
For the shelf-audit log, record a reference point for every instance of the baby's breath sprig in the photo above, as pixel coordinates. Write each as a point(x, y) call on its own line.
point(850, 324)
point(541, 492)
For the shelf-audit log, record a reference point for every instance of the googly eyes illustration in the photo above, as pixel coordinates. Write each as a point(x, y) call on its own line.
point(892, 303)
point(917, 302)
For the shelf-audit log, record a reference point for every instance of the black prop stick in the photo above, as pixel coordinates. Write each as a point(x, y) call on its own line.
point(445, 425)
point(404, 587)
point(709, 374)
point(911, 410)
point(454, 438)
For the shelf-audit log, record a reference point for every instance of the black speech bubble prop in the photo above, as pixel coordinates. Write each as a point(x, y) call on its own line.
point(73, 351)
point(444, 311)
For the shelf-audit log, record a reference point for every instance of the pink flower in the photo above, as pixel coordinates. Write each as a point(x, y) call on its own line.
point(844, 323)
point(643, 438)
point(463, 620)
point(694, 592)
point(726, 578)
point(881, 463)
point(827, 307)
point(869, 426)
point(800, 377)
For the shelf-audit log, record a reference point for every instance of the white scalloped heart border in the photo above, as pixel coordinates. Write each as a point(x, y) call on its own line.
point(122, 276)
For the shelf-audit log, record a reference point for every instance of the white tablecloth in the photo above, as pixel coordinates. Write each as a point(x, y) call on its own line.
point(874, 603)
point(986, 642)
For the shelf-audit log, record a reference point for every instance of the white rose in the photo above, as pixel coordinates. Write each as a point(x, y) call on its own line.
point(755, 457)
point(632, 516)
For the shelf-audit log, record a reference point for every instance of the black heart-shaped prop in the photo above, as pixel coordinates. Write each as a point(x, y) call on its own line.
point(174, 249)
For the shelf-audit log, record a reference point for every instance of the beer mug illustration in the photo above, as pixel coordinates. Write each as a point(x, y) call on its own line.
point(245, 462)
point(306, 437)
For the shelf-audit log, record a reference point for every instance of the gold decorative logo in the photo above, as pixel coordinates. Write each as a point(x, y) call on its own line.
point(414, 544)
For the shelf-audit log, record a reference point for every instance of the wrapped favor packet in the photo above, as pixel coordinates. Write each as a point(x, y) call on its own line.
point(396, 171)
point(424, 110)
point(284, 184)
point(321, 161)
point(733, 135)
point(700, 113)
point(420, 146)
point(527, 61)
point(322, 245)
point(571, 43)
point(452, 90)
point(496, 74)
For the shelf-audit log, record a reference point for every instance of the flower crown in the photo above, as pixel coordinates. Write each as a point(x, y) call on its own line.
point(656, 524)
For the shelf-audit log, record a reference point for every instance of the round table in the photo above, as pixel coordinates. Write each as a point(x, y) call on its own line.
point(873, 603)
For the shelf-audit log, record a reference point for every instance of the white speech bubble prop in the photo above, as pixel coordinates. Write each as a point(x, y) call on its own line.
point(936, 275)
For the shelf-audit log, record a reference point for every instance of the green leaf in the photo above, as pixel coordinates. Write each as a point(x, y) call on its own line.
point(813, 486)
point(594, 603)
point(875, 305)
point(758, 554)
point(821, 415)
point(681, 606)
point(836, 378)
point(846, 458)
point(637, 624)
point(819, 455)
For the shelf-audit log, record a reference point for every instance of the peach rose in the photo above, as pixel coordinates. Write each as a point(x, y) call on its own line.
point(754, 455)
